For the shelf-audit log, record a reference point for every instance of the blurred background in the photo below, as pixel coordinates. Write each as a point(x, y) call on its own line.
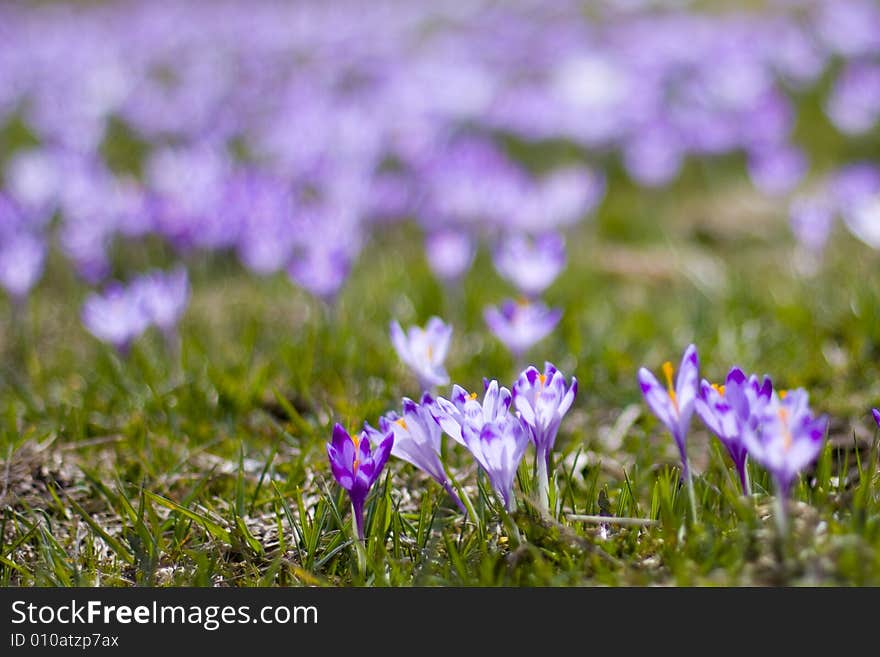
point(282, 179)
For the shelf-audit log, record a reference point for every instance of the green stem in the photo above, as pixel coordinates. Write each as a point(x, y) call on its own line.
point(543, 482)
point(691, 495)
point(357, 526)
point(781, 515)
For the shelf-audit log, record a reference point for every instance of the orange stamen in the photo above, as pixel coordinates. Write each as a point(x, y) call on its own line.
point(472, 396)
point(357, 448)
point(719, 389)
point(401, 423)
point(787, 440)
point(542, 378)
point(668, 371)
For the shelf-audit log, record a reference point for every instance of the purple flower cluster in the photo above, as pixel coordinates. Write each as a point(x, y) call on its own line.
point(751, 419)
point(22, 252)
point(424, 350)
point(494, 435)
point(852, 193)
point(122, 313)
point(283, 132)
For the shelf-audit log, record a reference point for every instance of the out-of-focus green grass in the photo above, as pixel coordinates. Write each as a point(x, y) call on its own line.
point(211, 468)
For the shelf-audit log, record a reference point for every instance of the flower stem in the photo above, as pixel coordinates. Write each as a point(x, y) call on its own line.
point(744, 479)
point(691, 495)
point(358, 513)
point(781, 514)
point(358, 527)
point(543, 481)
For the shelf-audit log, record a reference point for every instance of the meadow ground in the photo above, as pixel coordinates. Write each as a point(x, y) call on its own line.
point(208, 467)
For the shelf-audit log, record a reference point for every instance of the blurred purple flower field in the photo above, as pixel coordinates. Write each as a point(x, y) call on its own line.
point(283, 133)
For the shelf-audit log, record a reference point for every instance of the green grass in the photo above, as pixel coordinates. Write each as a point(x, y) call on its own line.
point(211, 468)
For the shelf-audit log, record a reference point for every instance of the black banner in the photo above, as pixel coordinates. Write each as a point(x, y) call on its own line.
point(45, 621)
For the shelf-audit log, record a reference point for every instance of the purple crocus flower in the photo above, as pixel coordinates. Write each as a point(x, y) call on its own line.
point(520, 324)
point(450, 253)
point(653, 157)
point(811, 219)
point(356, 467)
point(322, 270)
point(424, 350)
point(417, 437)
point(463, 408)
point(855, 189)
point(117, 317)
point(733, 409)
point(850, 28)
point(562, 198)
point(22, 256)
point(876, 413)
point(854, 104)
point(674, 404)
point(542, 401)
point(164, 297)
point(498, 447)
point(777, 170)
point(33, 179)
point(789, 439)
point(531, 265)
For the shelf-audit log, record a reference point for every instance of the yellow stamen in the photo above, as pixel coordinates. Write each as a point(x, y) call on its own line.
point(542, 378)
point(430, 353)
point(783, 394)
point(668, 371)
point(787, 440)
point(719, 389)
point(522, 301)
point(472, 396)
point(401, 423)
point(357, 447)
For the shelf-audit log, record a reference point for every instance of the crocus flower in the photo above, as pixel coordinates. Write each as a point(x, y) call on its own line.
point(863, 220)
point(463, 408)
point(811, 219)
point(542, 401)
point(498, 447)
point(520, 324)
point(356, 467)
point(321, 270)
point(653, 157)
point(164, 297)
point(562, 198)
point(854, 104)
point(417, 437)
point(117, 317)
point(674, 404)
point(424, 350)
point(22, 257)
point(731, 410)
point(531, 265)
point(777, 170)
point(450, 253)
point(876, 413)
point(789, 439)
